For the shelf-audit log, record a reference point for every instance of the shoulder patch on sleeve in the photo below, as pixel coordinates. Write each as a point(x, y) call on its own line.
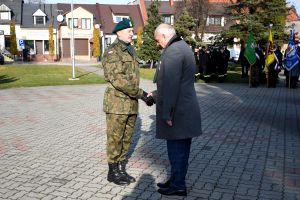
point(110, 52)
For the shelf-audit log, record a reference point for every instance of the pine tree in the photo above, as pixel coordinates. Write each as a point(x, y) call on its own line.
point(13, 39)
point(256, 16)
point(149, 50)
point(96, 42)
point(185, 25)
point(51, 41)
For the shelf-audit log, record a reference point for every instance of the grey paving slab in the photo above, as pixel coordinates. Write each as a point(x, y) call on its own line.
point(52, 145)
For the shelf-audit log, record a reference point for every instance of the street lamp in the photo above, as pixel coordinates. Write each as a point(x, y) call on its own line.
point(59, 18)
point(73, 46)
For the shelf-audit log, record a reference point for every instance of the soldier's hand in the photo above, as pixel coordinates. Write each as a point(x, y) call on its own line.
point(150, 101)
point(147, 99)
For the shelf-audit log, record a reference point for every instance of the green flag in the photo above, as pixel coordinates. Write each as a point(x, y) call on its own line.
point(250, 51)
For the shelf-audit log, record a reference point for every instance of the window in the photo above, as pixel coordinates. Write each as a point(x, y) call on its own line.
point(29, 44)
point(167, 19)
point(7, 42)
point(75, 23)
point(218, 21)
point(5, 15)
point(5, 12)
point(86, 23)
point(46, 46)
point(118, 18)
point(39, 20)
point(215, 20)
point(107, 41)
point(39, 17)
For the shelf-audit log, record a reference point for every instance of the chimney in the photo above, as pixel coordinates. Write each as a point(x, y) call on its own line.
point(171, 3)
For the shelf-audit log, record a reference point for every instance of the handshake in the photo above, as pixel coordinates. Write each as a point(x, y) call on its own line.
point(149, 100)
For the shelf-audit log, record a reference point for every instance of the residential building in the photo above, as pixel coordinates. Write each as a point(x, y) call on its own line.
point(9, 10)
point(293, 19)
point(106, 17)
point(111, 14)
point(85, 18)
point(216, 20)
point(36, 21)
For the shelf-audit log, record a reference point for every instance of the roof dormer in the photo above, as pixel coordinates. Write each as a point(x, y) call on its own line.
point(5, 12)
point(39, 17)
point(119, 17)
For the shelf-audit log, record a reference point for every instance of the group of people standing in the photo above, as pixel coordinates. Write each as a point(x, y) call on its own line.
point(263, 73)
point(212, 62)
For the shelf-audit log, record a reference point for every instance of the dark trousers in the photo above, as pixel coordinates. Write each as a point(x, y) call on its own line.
point(245, 69)
point(178, 152)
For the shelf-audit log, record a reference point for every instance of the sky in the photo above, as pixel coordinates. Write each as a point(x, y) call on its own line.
point(296, 3)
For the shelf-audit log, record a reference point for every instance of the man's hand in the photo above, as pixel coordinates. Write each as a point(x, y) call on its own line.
point(169, 122)
point(147, 99)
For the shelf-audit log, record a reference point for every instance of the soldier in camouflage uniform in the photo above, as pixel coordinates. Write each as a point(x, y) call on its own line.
point(120, 103)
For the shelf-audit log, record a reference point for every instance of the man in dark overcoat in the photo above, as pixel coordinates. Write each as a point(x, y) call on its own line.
point(178, 117)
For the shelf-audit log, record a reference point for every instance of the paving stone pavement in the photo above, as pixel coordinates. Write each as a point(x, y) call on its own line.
point(52, 145)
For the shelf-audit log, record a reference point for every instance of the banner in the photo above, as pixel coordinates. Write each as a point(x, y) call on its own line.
point(250, 51)
point(291, 57)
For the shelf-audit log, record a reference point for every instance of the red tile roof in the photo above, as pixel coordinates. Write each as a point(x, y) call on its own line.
point(106, 11)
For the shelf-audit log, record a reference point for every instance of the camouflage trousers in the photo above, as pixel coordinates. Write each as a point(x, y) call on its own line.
point(119, 132)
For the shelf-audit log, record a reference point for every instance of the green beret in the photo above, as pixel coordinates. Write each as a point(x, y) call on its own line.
point(125, 23)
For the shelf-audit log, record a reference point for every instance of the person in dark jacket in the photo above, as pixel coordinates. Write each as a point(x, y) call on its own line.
point(244, 63)
point(178, 117)
point(223, 59)
point(204, 57)
point(261, 64)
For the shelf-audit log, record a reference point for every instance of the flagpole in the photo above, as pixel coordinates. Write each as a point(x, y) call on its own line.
point(268, 49)
point(73, 45)
point(250, 74)
point(290, 73)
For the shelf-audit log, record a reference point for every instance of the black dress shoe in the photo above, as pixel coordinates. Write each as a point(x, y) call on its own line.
point(172, 191)
point(164, 185)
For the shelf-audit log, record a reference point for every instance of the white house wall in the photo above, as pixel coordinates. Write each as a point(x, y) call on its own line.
point(79, 13)
point(34, 34)
point(6, 30)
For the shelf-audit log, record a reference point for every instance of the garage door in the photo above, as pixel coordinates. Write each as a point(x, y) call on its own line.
point(66, 48)
point(82, 47)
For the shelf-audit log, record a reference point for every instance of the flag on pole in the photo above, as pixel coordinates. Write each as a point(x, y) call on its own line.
point(271, 57)
point(291, 57)
point(250, 51)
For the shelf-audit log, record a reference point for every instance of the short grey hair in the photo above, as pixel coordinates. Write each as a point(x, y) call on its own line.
point(166, 29)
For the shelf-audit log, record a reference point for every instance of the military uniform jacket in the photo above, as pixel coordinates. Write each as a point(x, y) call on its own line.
point(121, 70)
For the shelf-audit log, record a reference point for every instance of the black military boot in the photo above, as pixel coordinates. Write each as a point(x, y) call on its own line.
point(115, 176)
point(122, 166)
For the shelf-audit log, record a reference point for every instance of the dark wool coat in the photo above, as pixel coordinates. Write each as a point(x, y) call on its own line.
point(176, 98)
